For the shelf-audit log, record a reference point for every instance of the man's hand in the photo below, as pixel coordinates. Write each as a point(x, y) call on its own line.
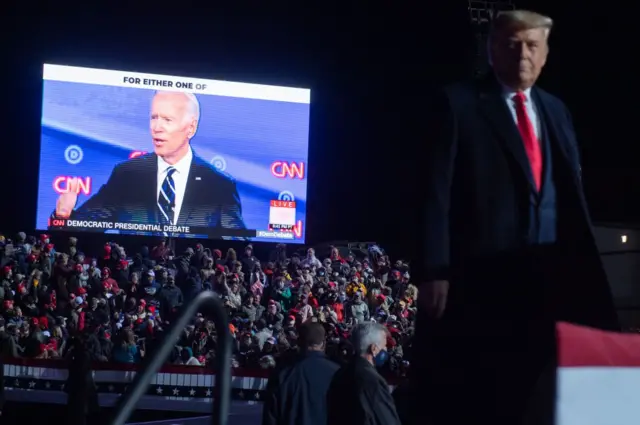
point(433, 297)
point(67, 201)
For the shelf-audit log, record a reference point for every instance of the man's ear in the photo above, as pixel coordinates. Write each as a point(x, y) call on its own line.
point(373, 349)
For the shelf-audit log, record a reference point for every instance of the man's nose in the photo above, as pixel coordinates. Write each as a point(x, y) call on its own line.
point(524, 51)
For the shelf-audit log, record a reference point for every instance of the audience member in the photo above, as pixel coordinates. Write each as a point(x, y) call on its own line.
point(358, 394)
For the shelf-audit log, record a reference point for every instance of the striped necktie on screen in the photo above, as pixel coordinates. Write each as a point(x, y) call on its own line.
point(167, 197)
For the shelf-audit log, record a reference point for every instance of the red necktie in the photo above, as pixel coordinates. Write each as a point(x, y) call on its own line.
point(531, 143)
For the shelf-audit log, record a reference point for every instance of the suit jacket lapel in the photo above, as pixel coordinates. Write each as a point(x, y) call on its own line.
point(495, 110)
point(554, 126)
point(191, 192)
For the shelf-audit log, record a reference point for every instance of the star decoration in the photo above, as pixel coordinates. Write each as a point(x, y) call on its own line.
point(30, 383)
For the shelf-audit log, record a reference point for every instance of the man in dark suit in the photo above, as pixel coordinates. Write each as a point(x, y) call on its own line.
point(508, 245)
point(297, 392)
point(171, 186)
point(358, 394)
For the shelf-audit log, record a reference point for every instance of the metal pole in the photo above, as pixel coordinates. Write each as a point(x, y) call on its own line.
point(222, 390)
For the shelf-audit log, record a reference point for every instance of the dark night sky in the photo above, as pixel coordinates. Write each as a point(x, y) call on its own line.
point(370, 72)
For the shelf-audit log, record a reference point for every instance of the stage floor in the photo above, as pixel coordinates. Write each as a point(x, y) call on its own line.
point(249, 419)
point(27, 413)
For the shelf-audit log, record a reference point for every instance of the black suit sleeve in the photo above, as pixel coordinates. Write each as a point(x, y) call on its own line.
point(101, 206)
point(576, 162)
point(575, 154)
point(378, 401)
point(231, 212)
point(439, 159)
point(336, 389)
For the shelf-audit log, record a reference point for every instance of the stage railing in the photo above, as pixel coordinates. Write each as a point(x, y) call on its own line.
point(222, 389)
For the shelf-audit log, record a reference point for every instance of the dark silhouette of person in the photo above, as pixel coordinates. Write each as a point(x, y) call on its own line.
point(81, 389)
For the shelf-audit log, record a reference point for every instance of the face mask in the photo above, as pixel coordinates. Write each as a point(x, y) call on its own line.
point(381, 358)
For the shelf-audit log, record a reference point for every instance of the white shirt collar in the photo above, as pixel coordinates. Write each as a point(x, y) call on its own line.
point(508, 93)
point(181, 167)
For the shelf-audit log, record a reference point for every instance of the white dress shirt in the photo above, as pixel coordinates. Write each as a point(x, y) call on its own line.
point(180, 178)
point(528, 104)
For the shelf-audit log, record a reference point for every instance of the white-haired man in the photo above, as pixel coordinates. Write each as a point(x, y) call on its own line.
point(170, 186)
point(508, 246)
point(358, 395)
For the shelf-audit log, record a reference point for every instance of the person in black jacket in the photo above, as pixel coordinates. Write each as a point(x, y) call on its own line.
point(297, 393)
point(358, 395)
point(506, 239)
point(80, 387)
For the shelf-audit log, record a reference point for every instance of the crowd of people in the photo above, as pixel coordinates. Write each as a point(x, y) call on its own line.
point(120, 305)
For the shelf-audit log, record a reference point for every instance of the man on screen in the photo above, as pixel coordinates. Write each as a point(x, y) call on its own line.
point(171, 186)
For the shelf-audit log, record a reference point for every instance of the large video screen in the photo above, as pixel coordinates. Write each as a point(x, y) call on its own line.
point(131, 153)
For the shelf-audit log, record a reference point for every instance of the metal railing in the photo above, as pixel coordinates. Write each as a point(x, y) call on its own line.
point(126, 403)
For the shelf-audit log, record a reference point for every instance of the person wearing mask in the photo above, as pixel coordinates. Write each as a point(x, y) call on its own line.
point(297, 393)
point(359, 312)
point(507, 238)
point(358, 395)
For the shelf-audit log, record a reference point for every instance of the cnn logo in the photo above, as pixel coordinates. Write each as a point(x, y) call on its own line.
point(61, 184)
point(292, 170)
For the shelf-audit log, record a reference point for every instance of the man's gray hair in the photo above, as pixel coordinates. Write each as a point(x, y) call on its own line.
point(193, 105)
point(518, 20)
point(366, 334)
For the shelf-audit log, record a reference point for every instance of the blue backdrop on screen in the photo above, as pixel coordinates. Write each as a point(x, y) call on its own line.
point(87, 129)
